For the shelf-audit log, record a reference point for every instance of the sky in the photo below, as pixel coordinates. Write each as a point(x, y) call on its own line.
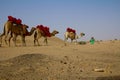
point(96, 18)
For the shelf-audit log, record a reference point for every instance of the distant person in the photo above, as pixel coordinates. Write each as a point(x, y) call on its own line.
point(92, 40)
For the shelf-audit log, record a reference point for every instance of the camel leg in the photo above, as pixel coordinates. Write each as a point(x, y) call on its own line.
point(5, 39)
point(37, 42)
point(36, 39)
point(10, 36)
point(66, 36)
point(71, 41)
point(65, 41)
point(34, 42)
point(7, 34)
point(35, 35)
point(46, 41)
point(0, 40)
point(76, 41)
point(14, 40)
point(9, 40)
point(23, 40)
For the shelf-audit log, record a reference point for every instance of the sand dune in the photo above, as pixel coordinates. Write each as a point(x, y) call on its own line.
point(58, 62)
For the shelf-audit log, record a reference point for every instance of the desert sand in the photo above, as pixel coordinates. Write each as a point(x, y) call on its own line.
point(56, 61)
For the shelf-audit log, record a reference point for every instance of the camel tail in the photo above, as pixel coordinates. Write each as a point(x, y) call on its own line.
point(1, 35)
point(3, 32)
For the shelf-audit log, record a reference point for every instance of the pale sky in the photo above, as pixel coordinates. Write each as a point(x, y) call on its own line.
point(96, 18)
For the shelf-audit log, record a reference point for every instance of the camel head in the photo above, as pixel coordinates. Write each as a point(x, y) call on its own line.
point(24, 27)
point(82, 34)
point(31, 31)
point(54, 33)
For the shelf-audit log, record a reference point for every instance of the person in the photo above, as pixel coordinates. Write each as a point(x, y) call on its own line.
point(92, 40)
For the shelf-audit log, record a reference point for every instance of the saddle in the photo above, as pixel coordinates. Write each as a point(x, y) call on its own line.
point(45, 30)
point(71, 30)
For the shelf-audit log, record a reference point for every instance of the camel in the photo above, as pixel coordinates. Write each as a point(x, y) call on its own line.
point(72, 35)
point(23, 34)
point(39, 33)
point(13, 30)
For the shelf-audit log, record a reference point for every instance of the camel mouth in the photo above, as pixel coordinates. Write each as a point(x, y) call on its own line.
point(57, 32)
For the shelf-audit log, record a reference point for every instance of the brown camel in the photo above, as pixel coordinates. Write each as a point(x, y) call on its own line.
point(13, 30)
point(72, 36)
point(39, 33)
point(23, 34)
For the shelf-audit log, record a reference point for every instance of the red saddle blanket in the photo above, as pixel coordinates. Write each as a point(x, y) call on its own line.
point(45, 30)
point(71, 30)
point(14, 20)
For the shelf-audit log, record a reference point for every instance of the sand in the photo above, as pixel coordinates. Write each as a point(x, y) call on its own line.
point(55, 61)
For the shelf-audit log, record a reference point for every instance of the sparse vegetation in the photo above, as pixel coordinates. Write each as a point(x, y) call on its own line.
point(82, 42)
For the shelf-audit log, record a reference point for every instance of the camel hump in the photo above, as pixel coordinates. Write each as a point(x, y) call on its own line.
point(45, 30)
point(14, 20)
point(71, 30)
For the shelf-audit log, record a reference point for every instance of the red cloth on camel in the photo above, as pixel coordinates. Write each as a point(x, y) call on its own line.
point(14, 20)
point(45, 30)
point(18, 21)
point(71, 30)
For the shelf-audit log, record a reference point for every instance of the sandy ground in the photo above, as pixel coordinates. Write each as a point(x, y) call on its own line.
point(58, 62)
